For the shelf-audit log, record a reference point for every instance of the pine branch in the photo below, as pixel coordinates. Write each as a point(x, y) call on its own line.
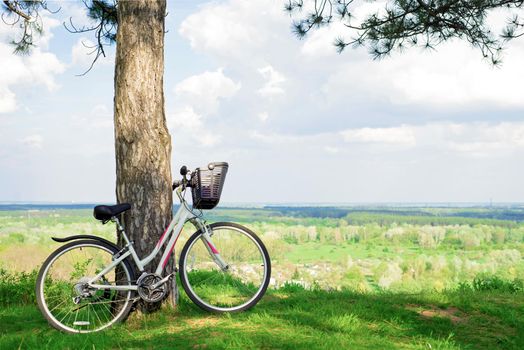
point(405, 23)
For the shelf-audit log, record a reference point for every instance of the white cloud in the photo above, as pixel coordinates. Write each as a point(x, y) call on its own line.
point(208, 139)
point(185, 118)
point(99, 117)
point(403, 135)
point(486, 139)
point(80, 52)
point(7, 100)
point(197, 98)
point(474, 139)
point(10, 33)
point(319, 43)
point(235, 29)
point(456, 76)
point(332, 150)
point(83, 53)
point(74, 11)
point(477, 139)
point(263, 116)
point(187, 123)
point(40, 67)
point(452, 76)
point(274, 81)
point(300, 143)
point(204, 91)
point(33, 141)
point(277, 138)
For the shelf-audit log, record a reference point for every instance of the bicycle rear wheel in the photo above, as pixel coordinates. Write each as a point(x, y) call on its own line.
point(236, 288)
point(65, 299)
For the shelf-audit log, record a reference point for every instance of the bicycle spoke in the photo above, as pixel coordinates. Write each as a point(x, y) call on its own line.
point(109, 312)
point(209, 279)
point(64, 301)
point(67, 313)
point(76, 316)
point(96, 314)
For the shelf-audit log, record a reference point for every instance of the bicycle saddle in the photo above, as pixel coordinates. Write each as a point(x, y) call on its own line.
point(106, 212)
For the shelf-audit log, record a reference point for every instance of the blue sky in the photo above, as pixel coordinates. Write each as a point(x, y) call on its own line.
point(296, 121)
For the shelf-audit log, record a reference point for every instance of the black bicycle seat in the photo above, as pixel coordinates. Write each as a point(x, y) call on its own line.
point(106, 212)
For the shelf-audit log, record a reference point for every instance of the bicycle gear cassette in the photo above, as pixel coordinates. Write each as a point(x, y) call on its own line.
point(145, 288)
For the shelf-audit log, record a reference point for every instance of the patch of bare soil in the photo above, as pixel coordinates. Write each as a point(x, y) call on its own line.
point(430, 311)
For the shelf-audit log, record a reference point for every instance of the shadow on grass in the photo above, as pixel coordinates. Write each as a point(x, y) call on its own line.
point(303, 319)
point(335, 320)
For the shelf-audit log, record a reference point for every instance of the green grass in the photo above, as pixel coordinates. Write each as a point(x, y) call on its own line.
point(485, 314)
point(294, 318)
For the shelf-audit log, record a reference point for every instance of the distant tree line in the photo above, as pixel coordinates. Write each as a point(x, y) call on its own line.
point(497, 217)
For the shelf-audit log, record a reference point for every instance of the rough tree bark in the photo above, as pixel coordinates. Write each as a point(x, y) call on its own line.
point(142, 140)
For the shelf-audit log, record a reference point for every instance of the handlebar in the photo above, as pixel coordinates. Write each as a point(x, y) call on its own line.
point(184, 182)
point(178, 183)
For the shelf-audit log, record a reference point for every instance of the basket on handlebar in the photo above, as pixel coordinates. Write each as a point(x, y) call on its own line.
point(206, 185)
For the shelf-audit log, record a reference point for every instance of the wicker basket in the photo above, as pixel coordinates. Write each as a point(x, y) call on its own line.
point(206, 185)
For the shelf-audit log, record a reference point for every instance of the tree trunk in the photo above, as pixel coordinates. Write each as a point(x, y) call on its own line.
point(142, 140)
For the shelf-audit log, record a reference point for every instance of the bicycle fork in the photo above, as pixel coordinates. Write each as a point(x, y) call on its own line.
point(206, 239)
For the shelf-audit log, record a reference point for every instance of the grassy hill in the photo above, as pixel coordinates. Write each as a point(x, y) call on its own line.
point(485, 315)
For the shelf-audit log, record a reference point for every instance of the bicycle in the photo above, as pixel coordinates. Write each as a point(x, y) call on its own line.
point(90, 283)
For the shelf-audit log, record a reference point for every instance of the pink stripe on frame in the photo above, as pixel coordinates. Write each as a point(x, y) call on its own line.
point(213, 249)
point(161, 237)
point(169, 255)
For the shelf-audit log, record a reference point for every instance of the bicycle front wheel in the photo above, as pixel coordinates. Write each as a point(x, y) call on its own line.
point(236, 287)
point(68, 302)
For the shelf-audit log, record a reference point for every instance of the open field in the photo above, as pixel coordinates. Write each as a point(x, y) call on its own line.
point(402, 249)
point(446, 278)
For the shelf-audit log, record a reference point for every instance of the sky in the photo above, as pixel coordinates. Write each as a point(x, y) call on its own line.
point(297, 122)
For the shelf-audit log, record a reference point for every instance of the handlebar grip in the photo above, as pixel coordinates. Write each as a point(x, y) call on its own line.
point(178, 183)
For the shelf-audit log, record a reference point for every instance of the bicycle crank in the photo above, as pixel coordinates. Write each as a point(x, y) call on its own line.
point(152, 287)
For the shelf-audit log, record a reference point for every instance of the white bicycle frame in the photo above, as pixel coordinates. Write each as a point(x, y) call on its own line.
point(172, 232)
